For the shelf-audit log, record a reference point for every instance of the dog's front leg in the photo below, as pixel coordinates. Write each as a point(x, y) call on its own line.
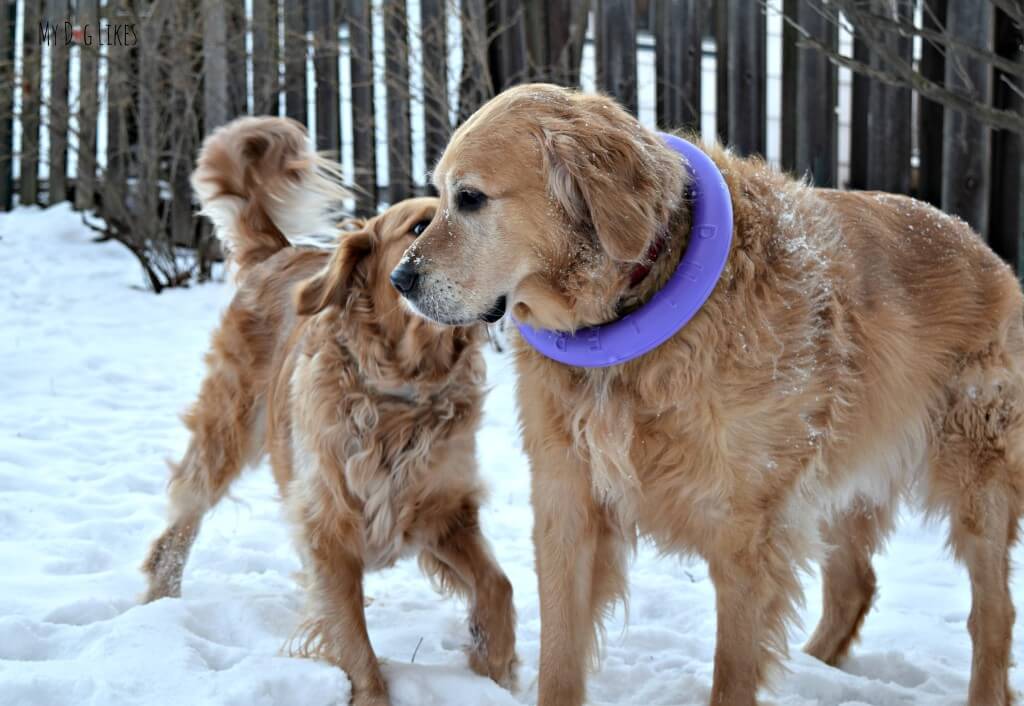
point(461, 561)
point(335, 630)
point(567, 524)
point(755, 591)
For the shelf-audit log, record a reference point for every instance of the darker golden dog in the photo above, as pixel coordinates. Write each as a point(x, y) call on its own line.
point(858, 347)
point(368, 414)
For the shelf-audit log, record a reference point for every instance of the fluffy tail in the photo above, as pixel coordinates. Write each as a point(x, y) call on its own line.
point(261, 185)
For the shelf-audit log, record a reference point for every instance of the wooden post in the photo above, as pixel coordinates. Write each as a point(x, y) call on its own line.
point(183, 125)
point(119, 72)
point(437, 128)
point(966, 143)
point(474, 83)
point(265, 83)
point(295, 59)
point(215, 65)
point(747, 70)
point(535, 21)
point(325, 66)
point(58, 12)
point(1006, 220)
point(888, 114)
point(396, 73)
point(554, 39)
point(31, 85)
point(88, 107)
point(509, 63)
point(930, 115)
point(560, 54)
point(359, 15)
point(151, 107)
point(859, 119)
point(721, 10)
point(7, 29)
point(615, 46)
point(809, 127)
point(238, 90)
point(677, 47)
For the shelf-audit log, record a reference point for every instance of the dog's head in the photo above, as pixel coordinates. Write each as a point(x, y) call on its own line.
point(547, 196)
point(357, 275)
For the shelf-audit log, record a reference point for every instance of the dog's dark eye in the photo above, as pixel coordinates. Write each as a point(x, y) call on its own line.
point(418, 229)
point(470, 200)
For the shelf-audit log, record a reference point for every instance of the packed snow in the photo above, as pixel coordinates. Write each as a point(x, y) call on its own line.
point(96, 370)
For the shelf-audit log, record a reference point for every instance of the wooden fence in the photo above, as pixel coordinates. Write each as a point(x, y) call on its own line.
point(195, 64)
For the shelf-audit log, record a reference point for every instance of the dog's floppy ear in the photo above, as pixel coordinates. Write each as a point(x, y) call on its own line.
point(328, 285)
point(611, 175)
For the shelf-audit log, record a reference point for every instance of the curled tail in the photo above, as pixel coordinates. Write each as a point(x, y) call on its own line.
point(260, 184)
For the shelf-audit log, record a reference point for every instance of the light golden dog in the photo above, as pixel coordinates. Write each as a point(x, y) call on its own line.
point(368, 413)
point(858, 346)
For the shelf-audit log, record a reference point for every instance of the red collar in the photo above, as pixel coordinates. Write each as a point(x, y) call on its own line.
point(642, 269)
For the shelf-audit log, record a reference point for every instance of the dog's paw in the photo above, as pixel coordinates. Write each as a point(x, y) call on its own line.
point(502, 670)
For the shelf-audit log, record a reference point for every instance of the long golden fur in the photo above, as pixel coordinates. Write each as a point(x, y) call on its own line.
point(859, 348)
point(368, 414)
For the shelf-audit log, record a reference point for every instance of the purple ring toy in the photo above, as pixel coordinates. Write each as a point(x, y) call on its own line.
point(682, 296)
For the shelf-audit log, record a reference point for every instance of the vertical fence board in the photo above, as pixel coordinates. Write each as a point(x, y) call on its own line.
point(88, 105)
point(359, 15)
point(1006, 222)
point(537, 15)
point(216, 109)
point(185, 83)
point(238, 89)
point(888, 135)
point(31, 75)
point(265, 53)
point(967, 141)
point(434, 42)
point(790, 71)
point(396, 71)
point(721, 10)
point(325, 66)
point(510, 66)
point(7, 29)
point(474, 82)
point(861, 90)
point(615, 30)
point(809, 92)
point(677, 63)
point(295, 59)
point(150, 114)
point(930, 115)
point(551, 37)
point(573, 52)
point(58, 12)
point(746, 75)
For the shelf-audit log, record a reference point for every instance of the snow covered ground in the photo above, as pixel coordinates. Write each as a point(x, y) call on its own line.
point(95, 371)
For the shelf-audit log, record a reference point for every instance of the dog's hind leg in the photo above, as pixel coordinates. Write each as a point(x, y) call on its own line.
point(977, 477)
point(848, 580)
point(223, 424)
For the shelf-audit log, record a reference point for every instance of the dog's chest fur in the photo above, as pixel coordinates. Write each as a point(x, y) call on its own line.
point(399, 460)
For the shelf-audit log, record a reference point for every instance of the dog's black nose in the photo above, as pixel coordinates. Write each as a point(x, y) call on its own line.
point(404, 277)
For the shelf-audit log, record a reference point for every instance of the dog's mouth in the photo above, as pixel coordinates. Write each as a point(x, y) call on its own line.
point(496, 311)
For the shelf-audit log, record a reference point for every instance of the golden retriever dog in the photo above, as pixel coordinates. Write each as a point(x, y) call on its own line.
point(368, 413)
point(858, 348)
